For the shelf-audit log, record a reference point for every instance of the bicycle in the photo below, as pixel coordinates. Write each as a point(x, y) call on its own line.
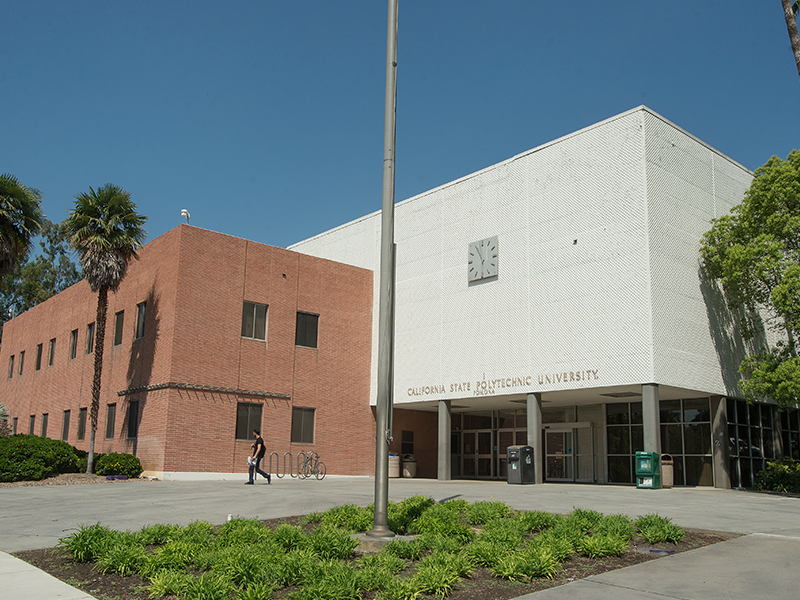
point(312, 466)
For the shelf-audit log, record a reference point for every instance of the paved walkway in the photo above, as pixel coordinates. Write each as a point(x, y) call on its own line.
point(761, 565)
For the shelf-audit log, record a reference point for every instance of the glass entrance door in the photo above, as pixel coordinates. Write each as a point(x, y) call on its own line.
point(477, 454)
point(569, 453)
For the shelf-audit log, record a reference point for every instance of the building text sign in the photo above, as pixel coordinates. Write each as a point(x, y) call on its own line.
point(489, 387)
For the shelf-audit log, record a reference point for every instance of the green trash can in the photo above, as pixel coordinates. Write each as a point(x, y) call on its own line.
point(648, 470)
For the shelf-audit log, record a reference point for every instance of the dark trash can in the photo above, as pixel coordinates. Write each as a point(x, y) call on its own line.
point(521, 468)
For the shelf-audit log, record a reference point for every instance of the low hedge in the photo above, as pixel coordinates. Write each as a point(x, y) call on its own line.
point(781, 475)
point(30, 457)
point(116, 463)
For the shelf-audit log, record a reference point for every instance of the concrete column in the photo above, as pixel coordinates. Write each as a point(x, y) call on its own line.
point(534, 423)
point(651, 418)
point(719, 442)
point(444, 468)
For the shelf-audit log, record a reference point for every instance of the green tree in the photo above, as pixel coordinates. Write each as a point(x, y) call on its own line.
point(20, 220)
point(38, 278)
point(106, 230)
point(755, 253)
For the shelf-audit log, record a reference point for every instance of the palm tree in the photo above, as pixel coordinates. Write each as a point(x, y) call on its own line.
point(20, 220)
point(106, 231)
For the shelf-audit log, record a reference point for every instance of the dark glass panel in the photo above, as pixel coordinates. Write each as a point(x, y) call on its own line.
point(768, 443)
point(478, 420)
point(755, 416)
point(744, 440)
point(618, 440)
point(671, 441)
point(731, 406)
point(697, 438)
point(617, 413)
point(696, 410)
point(698, 470)
point(766, 416)
point(619, 469)
point(505, 419)
point(733, 467)
point(636, 413)
point(745, 480)
point(637, 438)
point(670, 411)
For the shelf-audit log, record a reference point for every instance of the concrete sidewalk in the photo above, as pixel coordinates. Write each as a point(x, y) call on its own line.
point(756, 565)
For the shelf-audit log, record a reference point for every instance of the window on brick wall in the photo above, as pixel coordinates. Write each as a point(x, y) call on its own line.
point(81, 423)
point(45, 418)
point(21, 363)
point(141, 312)
point(254, 321)
point(90, 338)
point(52, 356)
point(65, 426)
point(73, 344)
point(38, 357)
point(248, 418)
point(302, 425)
point(119, 320)
point(111, 418)
point(14, 426)
point(133, 418)
point(307, 328)
point(32, 424)
point(407, 442)
point(11, 366)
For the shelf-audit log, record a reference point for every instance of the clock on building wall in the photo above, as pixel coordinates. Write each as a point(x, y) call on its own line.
point(482, 259)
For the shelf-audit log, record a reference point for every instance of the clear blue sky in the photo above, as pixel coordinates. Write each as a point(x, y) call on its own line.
point(265, 119)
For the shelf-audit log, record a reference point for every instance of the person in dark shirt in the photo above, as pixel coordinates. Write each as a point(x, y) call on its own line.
point(258, 451)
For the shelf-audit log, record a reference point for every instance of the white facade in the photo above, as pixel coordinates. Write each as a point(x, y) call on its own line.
point(598, 289)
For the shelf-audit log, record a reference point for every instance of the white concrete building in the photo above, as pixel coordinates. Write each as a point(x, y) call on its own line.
point(556, 299)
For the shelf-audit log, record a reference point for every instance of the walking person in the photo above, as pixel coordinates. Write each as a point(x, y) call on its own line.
point(258, 451)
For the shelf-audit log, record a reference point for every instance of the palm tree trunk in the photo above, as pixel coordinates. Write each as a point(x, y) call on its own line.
point(791, 26)
point(99, 346)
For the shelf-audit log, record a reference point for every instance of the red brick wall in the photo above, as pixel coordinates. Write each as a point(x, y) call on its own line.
point(425, 427)
point(194, 282)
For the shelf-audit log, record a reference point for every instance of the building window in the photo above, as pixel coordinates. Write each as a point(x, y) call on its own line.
point(750, 441)
point(141, 311)
point(307, 327)
point(14, 426)
point(38, 357)
point(111, 417)
point(11, 366)
point(407, 442)
point(21, 363)
point(65, 427)
point(90, 338)
point(73, 344)
point(625, 437)
point(81, 423)
point(119, 319)
point(44, 424)
point(133, 418)
point(790, 428)
point(686, 435)
point(302, 425)
point(31, 424)
point(254, 321)
point(52, 356)
point(248, 418)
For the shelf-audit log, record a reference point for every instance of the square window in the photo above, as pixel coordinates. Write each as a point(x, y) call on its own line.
point(73, 344)
point(81, 423)
point(38, 357)
point(65, 427)
point(248, 418)
point(90, 338)
point(254, 321)
point(111, 417)
point(141, 312)
point(307, 328)
point(119, 320)
point(52, 355)
point(302, 425)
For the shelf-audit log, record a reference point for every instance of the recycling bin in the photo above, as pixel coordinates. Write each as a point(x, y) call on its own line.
point(667, 471)
point(648, 471)
point(521, 468)
point(394, 465)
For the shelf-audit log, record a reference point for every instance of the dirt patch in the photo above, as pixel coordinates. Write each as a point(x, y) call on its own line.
point(70, 479)
point(481, 586)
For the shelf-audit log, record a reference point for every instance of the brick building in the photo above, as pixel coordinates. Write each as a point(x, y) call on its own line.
point(207, 337)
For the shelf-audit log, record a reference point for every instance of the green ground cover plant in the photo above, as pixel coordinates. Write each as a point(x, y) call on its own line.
point(246, 560)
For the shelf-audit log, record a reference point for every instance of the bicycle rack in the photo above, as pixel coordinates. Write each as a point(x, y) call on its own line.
point(303, 461)
point(281, 475)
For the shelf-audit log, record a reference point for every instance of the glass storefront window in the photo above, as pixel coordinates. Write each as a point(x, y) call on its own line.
point(619, 441)
point(751, 440)
point(696, 411)
point(670, 411)
point(617, 413)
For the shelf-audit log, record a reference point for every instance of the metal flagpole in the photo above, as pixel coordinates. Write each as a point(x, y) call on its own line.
point(385, 317)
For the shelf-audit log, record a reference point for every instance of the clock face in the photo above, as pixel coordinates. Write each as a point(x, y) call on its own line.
point(482, 259)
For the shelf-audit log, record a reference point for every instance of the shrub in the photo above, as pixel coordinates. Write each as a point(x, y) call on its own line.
point(123, 558)
point(656, 529)
point(619, 525)
point(599, 545)
point(30, 458)
point(482, 512)
point(89, 542)
point(485, 553)
point(537, 520)
point(781, 475)
point(117, 463)
point(506, 532)
point(327, 542)
point(438, 520)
